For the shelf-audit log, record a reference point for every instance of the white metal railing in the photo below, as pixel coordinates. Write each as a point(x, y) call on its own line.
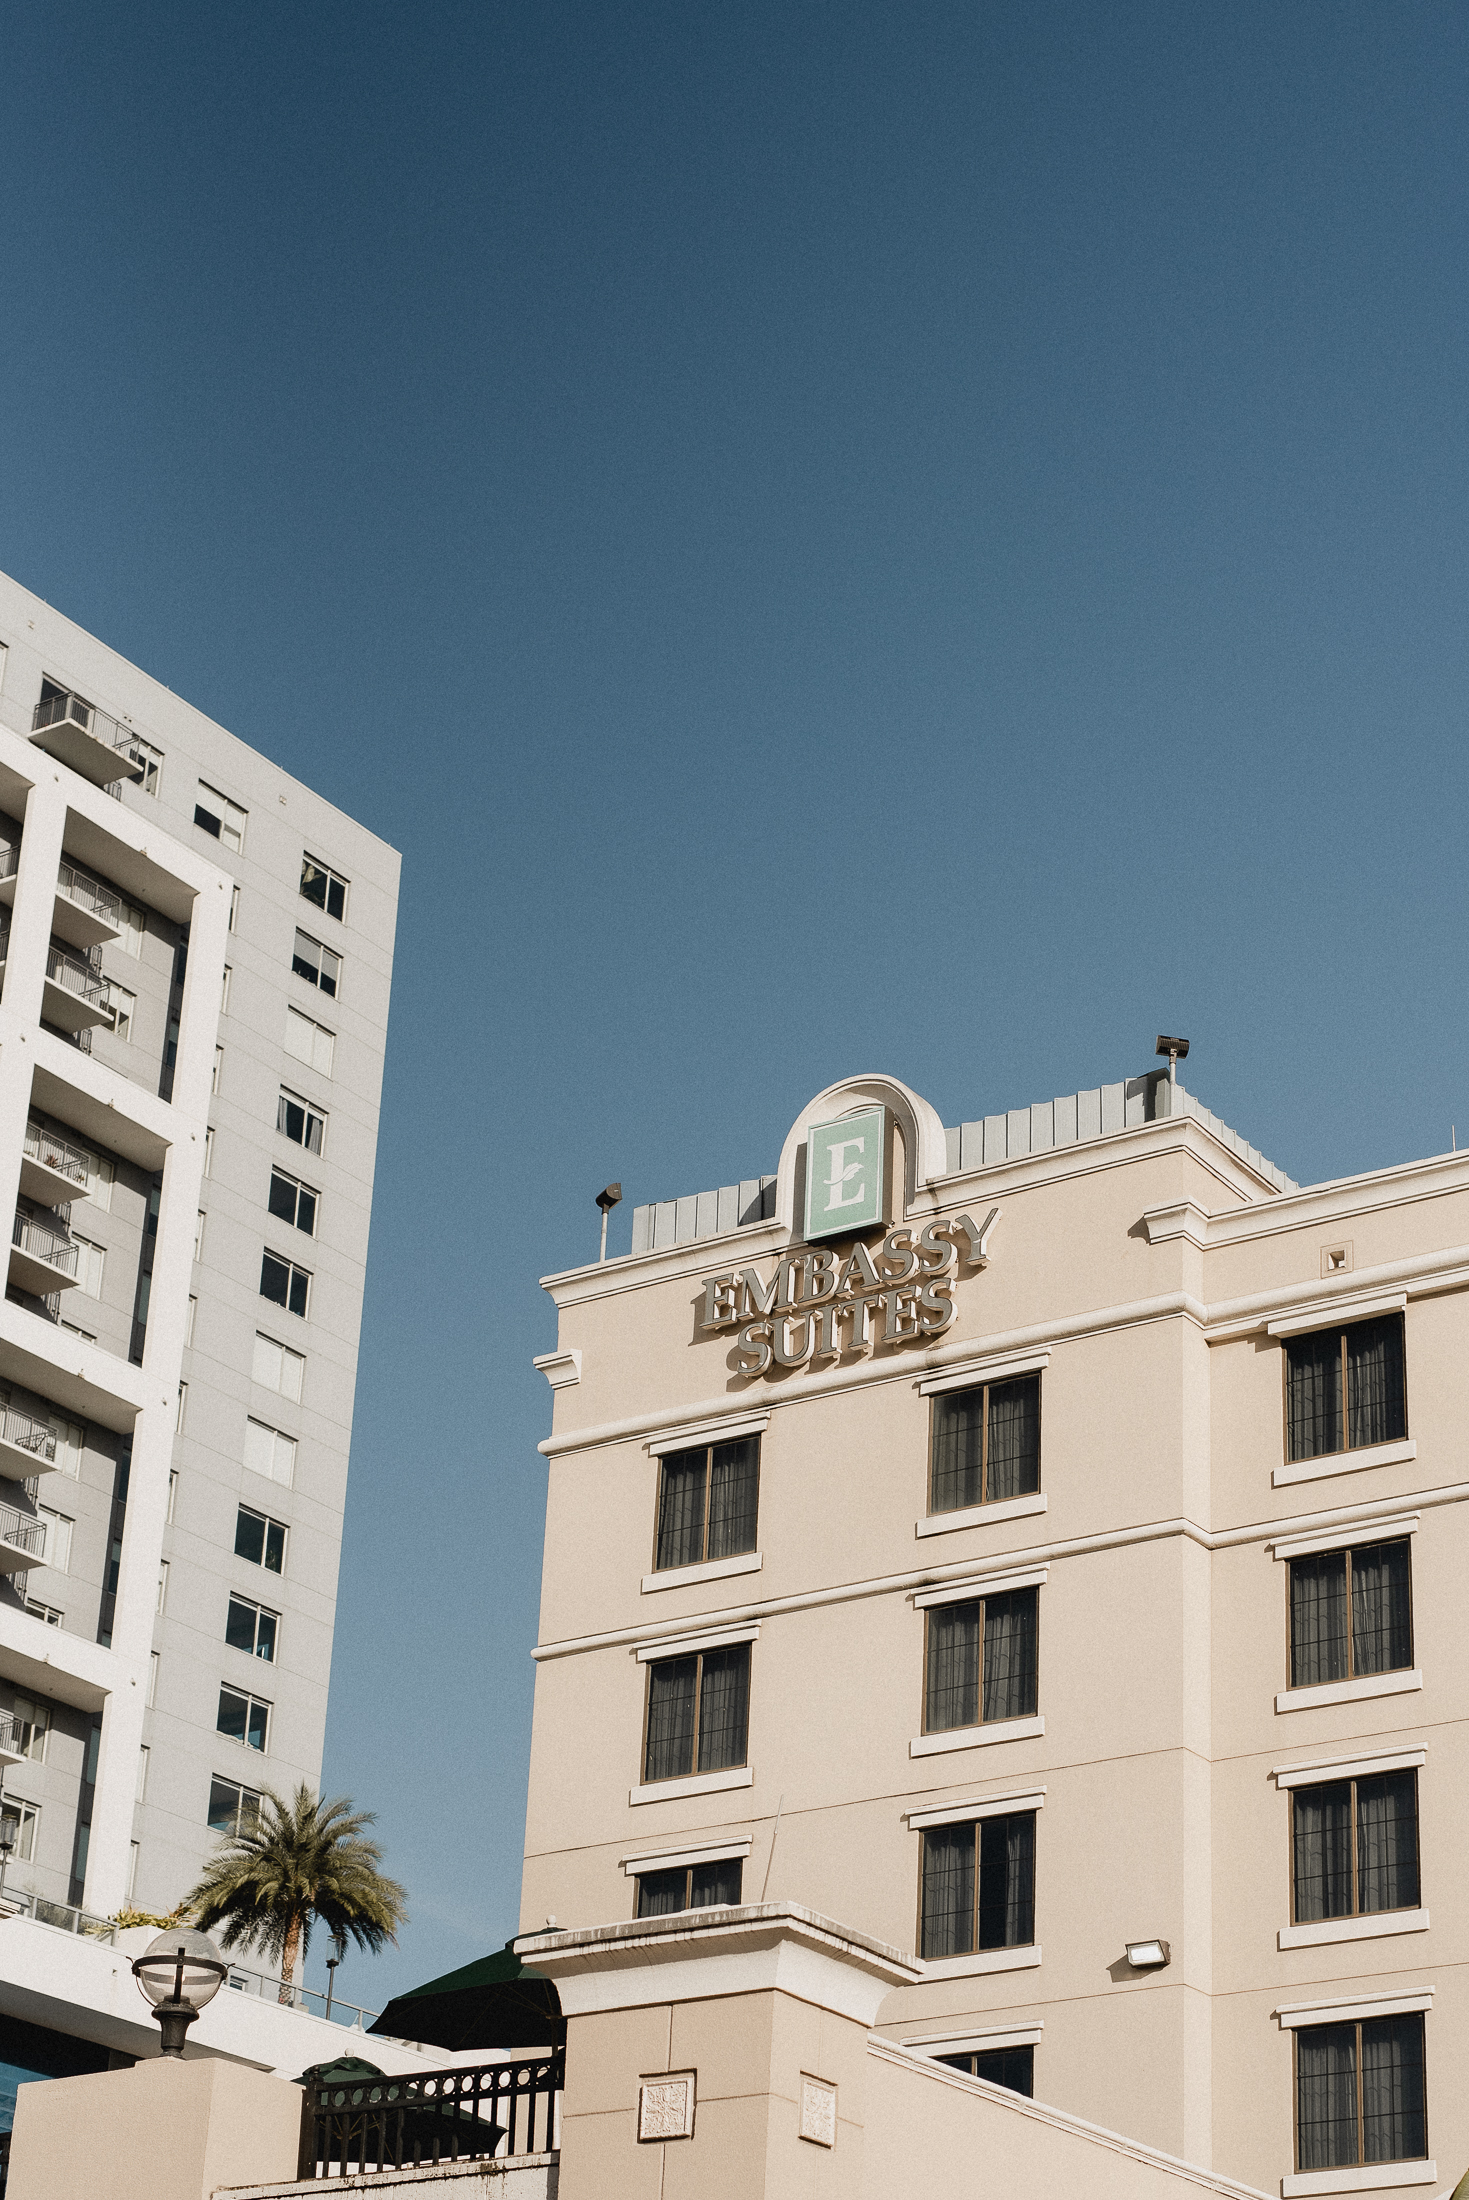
point(88, 893)
point(59, 710)
point(76, 975)
point(22, 1534)
point(58, 1153)
point(308, 1998)
point(12, 1734)
point(44, 1242)
point(65, 1917)
point(28, 1434)
point(10, 860)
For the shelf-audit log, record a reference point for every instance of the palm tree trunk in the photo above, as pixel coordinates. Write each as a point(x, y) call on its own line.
point(288, 1955)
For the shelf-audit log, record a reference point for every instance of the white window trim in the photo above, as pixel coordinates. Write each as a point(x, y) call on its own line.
point(975, 2043)
point(1345, 1462)
point(714, 1569)
point(1374, 2177)
point(709, 1638)
point(668, 1860)
point(1311, 1771)
point(1337, 1312)
point(1291, 2015)
point(1371, 1684)
point(978, 1737)
point(1342, 1539)
point(1375, 1925)
point(982, 1516)
point(965, 1814)
point(697, 1783)
point(981, 1585)
point(707, 1432)
point(998, 1368)
point(990, 1959)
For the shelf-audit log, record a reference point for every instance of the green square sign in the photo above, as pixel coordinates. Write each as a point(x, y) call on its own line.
point(846, 1174)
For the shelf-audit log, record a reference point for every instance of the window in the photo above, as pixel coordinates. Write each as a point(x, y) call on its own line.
point(234, 907)
point(707, 1503)
point(171, 1043)
point(143, 752)
point(986, 1444)
point(316, 964)
point(189, 1326)
point(218, 1066)
point(243, 1718)
point(979, 1886)
point(1354, 1847)
point(56, 1551)
point(232, 1809)
point(199, 1235)
point(152, 1678)
point(47, 1614)
point(1344, 1388)
point(88, 1336)
point(224, 991)
point(689, 1887)
point(101, 1175)
point(271, 1453)
point(173, 1491)
point(310, 1043)
point(284, 1284)
point(328, 889)
point(34, 1722)
point(277, 1367)
point(162, 1585)
point(222, 819)
point(293, 1202)
point(698, 1713)
point(260, 1540)
point(91, 1260)
point(142, 1773)
point(249, 1627)
point(1359, 2093)
point(134, 1850)
point(1012, 2067)
point(134, 931)
point(299, 1121)
point(70, 1438)
point(1351, 1614)
point(25, 1837)
point(209, 1149)
point(981, 1661)
point(124, 1007)
point(183, 1406)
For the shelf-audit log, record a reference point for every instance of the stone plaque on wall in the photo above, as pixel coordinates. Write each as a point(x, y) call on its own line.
point(666, 2106)
point(818, 2111)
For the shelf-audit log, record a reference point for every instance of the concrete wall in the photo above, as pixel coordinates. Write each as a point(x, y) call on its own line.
point(165, 2130)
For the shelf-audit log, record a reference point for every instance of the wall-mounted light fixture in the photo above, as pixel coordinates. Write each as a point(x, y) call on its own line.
point(1147, 1955)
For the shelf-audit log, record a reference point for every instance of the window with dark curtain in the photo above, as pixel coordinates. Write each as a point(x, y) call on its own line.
point(1360, 2094)
point(1355, 1846)
point(982, 1661)
point(986, 1444)
point(1351, 1614)
point(698, 1713)
point(1011, 2067)
point(708, 1503)
point(1344, 1388)
point(689, 1887)
point(979, 1886)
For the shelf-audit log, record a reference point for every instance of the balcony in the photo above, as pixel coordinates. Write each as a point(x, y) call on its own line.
point(42, 1256)
point(12, 1741)
point(52, 1169)
point(22, 1542)
point(9, 871)
point(27, 1446)
point(78, 734)
point(88, 914)
point(74, 996)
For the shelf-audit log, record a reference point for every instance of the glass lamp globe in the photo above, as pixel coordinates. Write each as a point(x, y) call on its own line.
point(179, 1972)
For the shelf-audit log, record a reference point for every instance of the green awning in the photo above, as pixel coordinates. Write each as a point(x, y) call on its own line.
point(496, 2002)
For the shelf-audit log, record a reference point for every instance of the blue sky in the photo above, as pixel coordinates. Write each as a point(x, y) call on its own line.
point(929, 538)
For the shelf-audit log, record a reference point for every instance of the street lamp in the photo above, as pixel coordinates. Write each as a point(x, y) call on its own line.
point(609, 1197)
point(339, 1950)
point(179, 1972)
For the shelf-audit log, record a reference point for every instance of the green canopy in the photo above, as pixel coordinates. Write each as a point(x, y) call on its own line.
point(496, 2002)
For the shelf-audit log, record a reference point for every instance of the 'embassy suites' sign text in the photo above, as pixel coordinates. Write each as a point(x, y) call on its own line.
point(814, 1305)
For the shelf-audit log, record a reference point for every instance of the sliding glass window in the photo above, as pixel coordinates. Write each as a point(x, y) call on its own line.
point(1351, 1614)
point(1354, 1847)
point(1344, 1388)
point(978, 1886)
point(1360, 2095)
point(698, 1713)
point(708, 1503)
point(982, 1661)
point(986, 1444)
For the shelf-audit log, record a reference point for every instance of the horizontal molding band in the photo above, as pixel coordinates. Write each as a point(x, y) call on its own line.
point(1338, 1539)
point(995, 1583)
point(1261, 1531)
point(977, 1807)
point(698, 1852)
point(1313, 1770)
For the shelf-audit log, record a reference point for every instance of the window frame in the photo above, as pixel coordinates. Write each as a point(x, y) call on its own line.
point(975, 1953)
point(252, 1703)
point(1350, 1780)
point(1353, 2025)
point(301, 1190)
point(1339, 1329)
point(677, 1657)
point(708, 1450)
point(331, 991)
point(687, 1907)
point(939, 1399)
point(241, 1795)
point(293, 1270)
point(217, 829)
point(982, 1599)
point(325, 871)
point(260, 1611)
point(1347, 1551)
point(267, 1522)
point(295, 1016)
point(310, 1112)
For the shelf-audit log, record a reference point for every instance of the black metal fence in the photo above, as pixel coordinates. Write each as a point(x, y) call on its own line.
point(445, 2116)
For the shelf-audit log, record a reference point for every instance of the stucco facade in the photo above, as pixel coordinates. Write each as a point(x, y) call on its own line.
point(1154, 1276)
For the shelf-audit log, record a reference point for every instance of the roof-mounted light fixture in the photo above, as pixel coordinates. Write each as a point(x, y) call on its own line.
point(609, 1197)
point(1175, 1049)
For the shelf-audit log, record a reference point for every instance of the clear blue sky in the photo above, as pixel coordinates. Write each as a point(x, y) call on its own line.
point(915, 537)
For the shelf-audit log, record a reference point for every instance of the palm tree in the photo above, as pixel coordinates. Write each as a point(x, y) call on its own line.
point(291, 1864)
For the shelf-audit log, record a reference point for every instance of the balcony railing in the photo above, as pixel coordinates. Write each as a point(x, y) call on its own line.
point(28, 1434)
point(43, 1241)
point(58, 1153)
point(13, 1735)
point(76, 975)
point(64, 1916)
point(308, 1998)
point(70, 709)
point(494, 2110)
point(10, 860)
point(88, 893)
point(22, 1534)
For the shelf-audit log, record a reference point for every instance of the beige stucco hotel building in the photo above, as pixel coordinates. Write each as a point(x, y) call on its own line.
point(1066, 1559)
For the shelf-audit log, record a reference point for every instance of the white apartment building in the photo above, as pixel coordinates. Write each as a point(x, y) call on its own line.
point(197, 954)
point(1019, 1559)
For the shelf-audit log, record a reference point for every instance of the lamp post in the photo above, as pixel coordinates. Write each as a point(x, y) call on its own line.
point(608, 1198)
point(339, 1950)
point(180, 1973)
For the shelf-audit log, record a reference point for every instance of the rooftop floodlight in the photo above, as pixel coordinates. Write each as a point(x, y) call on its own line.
point(1175, 1049)
point(609, 1197)
point(1147, 1955)
point(180, 1973)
